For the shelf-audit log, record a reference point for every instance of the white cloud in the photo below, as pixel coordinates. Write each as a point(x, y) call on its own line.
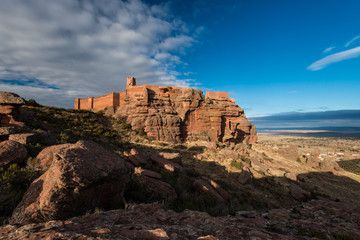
point(88, 47)
point(256, 116)
point(333, 58)
point(329, 49)
point(352, 41)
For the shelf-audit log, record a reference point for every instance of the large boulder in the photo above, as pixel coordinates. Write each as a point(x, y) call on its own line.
point(24, 138)
point(204, 187)
point(165, 164)
point(47, 156)
point(8, 98)
point(11, 152)
point(81, 177)
point(9, 108)
point(136, 157)
point(152, 183)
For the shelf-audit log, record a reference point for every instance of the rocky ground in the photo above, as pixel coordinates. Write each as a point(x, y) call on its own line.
point(317, 219)
point(70, 174)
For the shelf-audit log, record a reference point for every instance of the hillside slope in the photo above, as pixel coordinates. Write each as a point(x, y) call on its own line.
point(257, 183)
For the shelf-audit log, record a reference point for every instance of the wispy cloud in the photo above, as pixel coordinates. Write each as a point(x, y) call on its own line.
point(89, 47)
point(352, 41)
point(341, 118)
point(333, 58)
point(329, 49)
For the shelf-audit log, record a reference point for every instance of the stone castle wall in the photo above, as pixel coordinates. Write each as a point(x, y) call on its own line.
point(140, 92)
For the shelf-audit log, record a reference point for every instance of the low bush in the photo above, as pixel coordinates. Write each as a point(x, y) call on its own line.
point(14, 181)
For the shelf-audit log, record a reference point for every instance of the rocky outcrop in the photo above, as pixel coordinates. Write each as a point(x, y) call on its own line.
point(165, 164)
point(174, 114)
point(81, 177)
point(11, 152)
point(210, 187)
point(48, 155)
point(318, 219)
point(9, 106)
point(152, 183)
point(136, 157)
point(24, 138)
point(9, 114)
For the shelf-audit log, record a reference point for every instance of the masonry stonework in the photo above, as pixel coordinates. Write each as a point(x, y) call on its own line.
point(176, 114)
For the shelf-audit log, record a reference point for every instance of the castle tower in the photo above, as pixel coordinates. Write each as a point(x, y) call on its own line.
point(130, 82)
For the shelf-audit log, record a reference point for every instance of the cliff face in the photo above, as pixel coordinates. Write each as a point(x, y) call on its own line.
point(176, 114)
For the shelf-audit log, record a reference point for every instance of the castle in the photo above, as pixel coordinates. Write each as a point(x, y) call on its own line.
point(139, 93)
point(176, 114)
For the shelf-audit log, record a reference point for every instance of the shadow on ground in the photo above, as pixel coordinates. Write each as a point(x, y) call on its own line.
point(257, 194)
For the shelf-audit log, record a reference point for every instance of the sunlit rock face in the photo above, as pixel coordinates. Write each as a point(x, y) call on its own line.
point(176, 114)
point(81, 177)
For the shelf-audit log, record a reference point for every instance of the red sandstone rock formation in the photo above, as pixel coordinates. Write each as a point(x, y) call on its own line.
point(48, 155)
point(177, 114)
point(151, 181)
point(11, 152)
point(9, 113)
point(82, 176)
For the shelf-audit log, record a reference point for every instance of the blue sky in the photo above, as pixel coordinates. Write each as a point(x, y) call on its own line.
point(273, 56)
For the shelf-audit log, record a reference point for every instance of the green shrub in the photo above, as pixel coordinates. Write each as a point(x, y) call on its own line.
point(33, 149)
point(236, 164)
point(15, 178)
point(298, 160)
point(63, 137)
point(33, 103)
point(350, 165)
point(13, 184)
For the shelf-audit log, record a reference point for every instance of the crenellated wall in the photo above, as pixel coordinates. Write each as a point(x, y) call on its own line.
point(111, 99)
